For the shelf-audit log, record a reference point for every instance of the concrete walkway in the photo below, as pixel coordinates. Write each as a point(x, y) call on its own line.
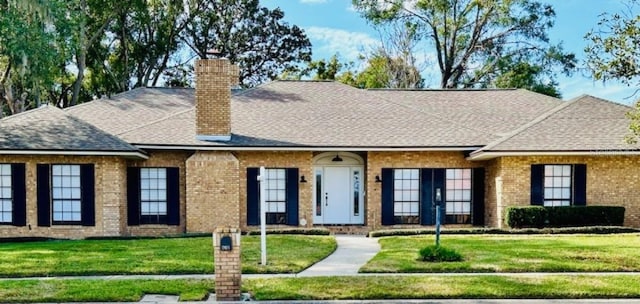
point(353, 252)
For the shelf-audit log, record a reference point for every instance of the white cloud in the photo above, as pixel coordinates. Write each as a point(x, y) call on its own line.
point(349, 45)
point(313, 1)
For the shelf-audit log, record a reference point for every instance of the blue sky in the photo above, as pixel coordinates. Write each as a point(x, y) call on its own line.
point(334, 27)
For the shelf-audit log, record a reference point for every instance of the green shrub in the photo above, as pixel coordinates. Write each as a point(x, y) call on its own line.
point(570, 216)
point(585, 216)
point(526, 217)
point(435, 253)
point(467, 231)
point(302, 231)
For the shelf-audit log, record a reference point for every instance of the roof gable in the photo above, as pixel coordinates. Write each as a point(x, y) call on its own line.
point(585, 124)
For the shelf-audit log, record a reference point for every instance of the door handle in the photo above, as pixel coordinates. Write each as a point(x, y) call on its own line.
point(326, 199)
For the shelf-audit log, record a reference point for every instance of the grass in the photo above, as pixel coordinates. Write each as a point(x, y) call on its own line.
point(60, 290)
point(286, 254)
point(324, 288)
point(513, 253)
point(426, 287)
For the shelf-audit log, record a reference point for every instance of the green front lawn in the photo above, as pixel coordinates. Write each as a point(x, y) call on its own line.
point(285, 253)
point(323, 288)
point(513, 253)
point(436, 287)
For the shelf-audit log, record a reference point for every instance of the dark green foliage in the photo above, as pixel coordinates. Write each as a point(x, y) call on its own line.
point(507, 43)
point(472, 231)
point(250, 35)
point(573, 216)
point(526, 217)
point(585, 216)
point(433, 253)
point(292, 231)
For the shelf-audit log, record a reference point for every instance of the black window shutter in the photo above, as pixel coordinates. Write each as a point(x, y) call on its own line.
point(537, 185)
point(253, 196)
point(44, 195)
point(439, 181)
point(173, 196)
point(18, 184)
point(387, 196)
point(477, 197)
point(580, 185)
point(426, 189)
point(133, 196)
point(292, 196)
point(87, 194)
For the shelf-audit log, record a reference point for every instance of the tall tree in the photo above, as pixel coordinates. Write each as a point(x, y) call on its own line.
point(473, 37)
point(29, 58)
point(613, 53)
point(254, 37)
point(384, 71)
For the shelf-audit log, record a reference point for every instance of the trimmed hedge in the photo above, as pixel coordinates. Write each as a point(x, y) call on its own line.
point(571, 216)
point(470, 231)
point(301, 231)
point(526, 217)
point(585, 216)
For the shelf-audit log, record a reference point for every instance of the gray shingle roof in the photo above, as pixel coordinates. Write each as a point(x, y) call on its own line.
point(322, 114)
point(133, 109)
point(49, 128)
point(495, 112)
point(586, 124)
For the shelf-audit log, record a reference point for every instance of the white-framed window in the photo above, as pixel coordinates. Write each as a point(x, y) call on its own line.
point(153, 195)
point(458, 196)
point(65, 193)
point(276, 195)
point(6, 195)
point(557, 185)
point(406, 196)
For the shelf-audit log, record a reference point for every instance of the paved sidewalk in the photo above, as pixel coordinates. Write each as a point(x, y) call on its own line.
point(353, 252)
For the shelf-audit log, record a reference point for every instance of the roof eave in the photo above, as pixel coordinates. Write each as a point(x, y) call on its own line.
point(309, 148)
point(486, 155)
point(128, 154)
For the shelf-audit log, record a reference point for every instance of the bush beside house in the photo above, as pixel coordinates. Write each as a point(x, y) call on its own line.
point(573, 216)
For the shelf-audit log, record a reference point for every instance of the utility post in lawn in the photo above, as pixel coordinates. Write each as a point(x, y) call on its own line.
point(438, 205)
point(263, 216)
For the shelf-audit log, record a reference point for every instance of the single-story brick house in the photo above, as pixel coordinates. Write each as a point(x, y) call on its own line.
point(156, 161)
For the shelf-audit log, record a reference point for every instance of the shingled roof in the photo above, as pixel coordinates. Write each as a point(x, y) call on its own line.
point(585, 124)
point(50, 129)
point(322, 114)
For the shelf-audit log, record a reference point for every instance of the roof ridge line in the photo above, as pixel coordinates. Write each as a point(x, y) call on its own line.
point(155, 121)
point(40, 108)
point(110, 97)
point(528, 125)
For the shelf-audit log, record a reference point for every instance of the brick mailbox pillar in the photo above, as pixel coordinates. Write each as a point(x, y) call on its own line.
point(226, 251)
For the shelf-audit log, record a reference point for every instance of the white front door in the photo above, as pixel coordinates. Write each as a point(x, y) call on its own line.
point(338, 195)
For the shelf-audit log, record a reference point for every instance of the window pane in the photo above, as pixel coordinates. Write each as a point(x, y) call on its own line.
point(66, 193)
point(458, 192)
point(406, 192)
point(557, 186)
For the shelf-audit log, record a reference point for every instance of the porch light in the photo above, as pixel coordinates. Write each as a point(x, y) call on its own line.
point(337, 158)
point(302, 180)
point(378, 180)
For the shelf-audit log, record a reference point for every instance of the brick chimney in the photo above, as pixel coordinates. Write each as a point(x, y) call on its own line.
point(214, 78)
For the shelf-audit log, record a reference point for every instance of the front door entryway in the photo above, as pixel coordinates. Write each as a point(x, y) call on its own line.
point(338, 190)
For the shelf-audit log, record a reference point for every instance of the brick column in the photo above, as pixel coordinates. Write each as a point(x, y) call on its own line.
point(227, 263)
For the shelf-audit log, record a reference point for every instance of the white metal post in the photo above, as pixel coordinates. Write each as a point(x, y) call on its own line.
point(263, 215)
